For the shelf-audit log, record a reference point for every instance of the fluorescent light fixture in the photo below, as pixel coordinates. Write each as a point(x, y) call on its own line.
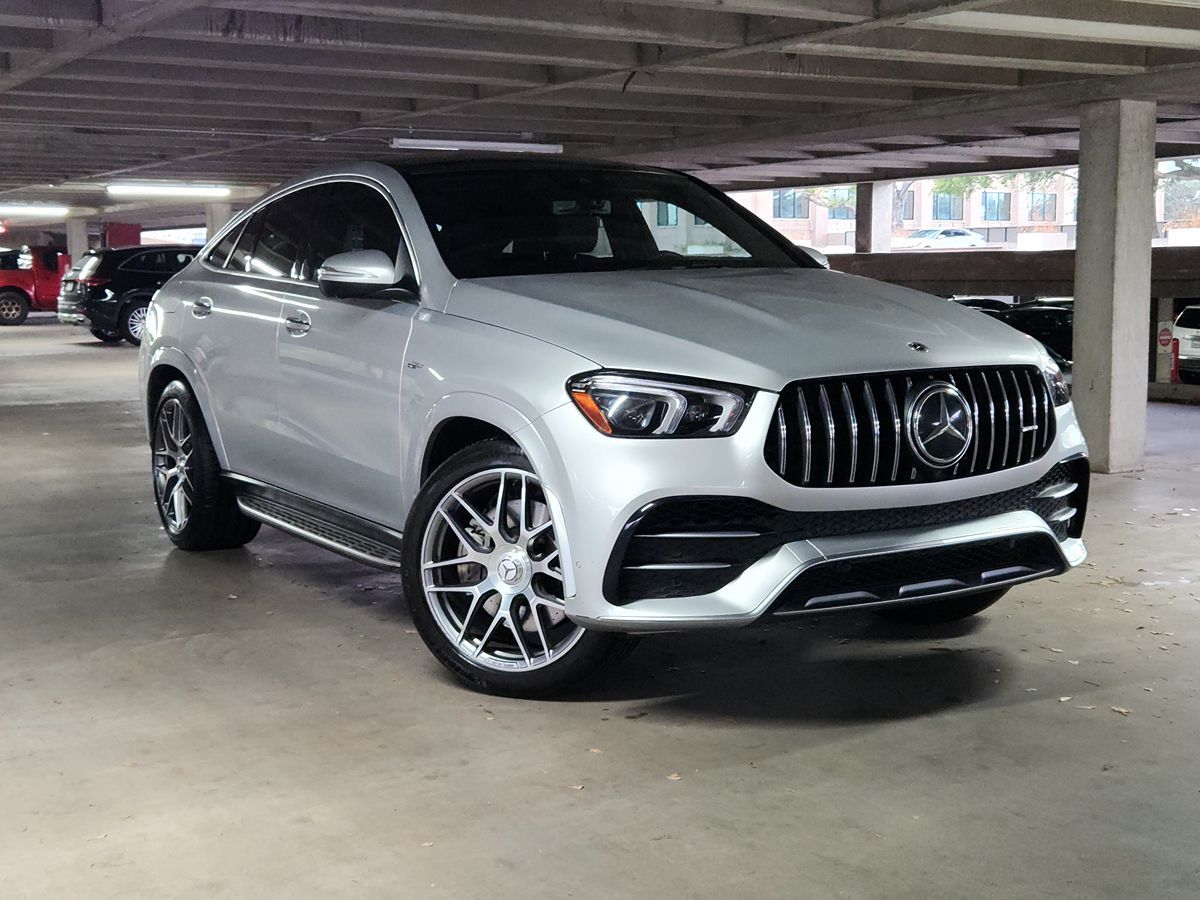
point(210, 191)
point(36, 210)
point(482, 146)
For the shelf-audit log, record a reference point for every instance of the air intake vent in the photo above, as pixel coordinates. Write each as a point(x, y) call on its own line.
point(859, 431)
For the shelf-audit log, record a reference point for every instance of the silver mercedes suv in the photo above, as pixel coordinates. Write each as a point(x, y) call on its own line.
point(571, 403)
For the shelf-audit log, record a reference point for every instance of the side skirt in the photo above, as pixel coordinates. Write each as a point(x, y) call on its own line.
point(359, 539)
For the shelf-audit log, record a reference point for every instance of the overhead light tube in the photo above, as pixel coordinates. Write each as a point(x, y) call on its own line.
point(34, 210)
point(207, 191)
point(482, 146)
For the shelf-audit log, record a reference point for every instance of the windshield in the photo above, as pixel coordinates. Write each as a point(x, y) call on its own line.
point(1189, 318)
point(524, 221)
point(926, 233)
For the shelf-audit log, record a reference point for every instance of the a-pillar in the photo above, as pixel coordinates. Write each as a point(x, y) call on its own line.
point(873, 217)
point(77, 238)
point(1112, 280)
point(216, 215)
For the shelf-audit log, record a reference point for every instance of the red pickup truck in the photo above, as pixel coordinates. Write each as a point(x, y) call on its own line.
point(30, 279)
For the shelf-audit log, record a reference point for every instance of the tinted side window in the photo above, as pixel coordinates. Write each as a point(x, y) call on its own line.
point(220, 253)
point(353, 217)
point(284, 235)
point(243, 251)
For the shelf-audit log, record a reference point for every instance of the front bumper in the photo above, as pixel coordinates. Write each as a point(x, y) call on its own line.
point(602, 485)
point(1189, 363)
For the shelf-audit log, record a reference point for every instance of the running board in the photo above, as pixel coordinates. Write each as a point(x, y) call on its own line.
point(358, 539)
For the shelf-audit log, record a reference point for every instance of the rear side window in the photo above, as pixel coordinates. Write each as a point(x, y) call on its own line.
point(352, 216)
point(158, 262)
point(243, 250)
point(1189, 318)
point(279, 251)
point(220, 253)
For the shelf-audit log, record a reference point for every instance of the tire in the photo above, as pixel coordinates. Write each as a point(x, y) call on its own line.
point(14, 307)
point(108, 337)
point(133, 320)
point(937, 612)
point(511, 636)
point(197, 509)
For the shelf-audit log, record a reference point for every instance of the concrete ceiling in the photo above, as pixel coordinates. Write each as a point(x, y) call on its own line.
point(744, 93)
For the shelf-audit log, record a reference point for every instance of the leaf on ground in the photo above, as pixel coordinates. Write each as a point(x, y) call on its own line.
point(577, 787)
point(427, 843)
point(674, 776)
point(1063, 699)
point(1121, 710)
point(594, 750)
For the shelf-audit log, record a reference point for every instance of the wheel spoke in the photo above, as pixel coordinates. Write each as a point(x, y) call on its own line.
point(459, 533)
point(466, 622)
point(487, 526)
point(487, 634)
point(541, 631)
point(516, 633)
point(523, 517)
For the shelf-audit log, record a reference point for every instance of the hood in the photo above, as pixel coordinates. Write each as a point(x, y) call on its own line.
point(758, 327)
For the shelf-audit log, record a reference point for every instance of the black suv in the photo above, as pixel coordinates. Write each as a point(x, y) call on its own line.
point(110, 289)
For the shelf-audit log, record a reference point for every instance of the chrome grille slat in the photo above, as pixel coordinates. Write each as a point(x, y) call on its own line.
point(848, 406)
point(830, 430)
point(898, 434)
point(869, 399)
point(806, 427)
point(842, 438)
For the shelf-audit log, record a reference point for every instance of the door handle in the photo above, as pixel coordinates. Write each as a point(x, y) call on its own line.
point(202, 307)
point(297, 323)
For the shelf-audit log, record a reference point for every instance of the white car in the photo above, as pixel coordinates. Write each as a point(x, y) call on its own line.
point(940, 239)
point(1187, 332)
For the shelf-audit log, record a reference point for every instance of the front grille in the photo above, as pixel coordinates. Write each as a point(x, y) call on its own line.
point(851, 431)
point(688, 546)
point(920, 574)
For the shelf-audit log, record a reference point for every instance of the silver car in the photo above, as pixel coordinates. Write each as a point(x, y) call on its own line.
point(573, 403)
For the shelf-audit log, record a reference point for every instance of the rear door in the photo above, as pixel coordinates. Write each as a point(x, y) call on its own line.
point(230, 317)
point(339, 366)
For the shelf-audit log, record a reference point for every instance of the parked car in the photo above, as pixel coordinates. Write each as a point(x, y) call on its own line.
point(940, 239)
point(1052, 325)
point(111, 290)
point(563, 426)
point(29, 280)
point(988, 304)
point(1187, 332)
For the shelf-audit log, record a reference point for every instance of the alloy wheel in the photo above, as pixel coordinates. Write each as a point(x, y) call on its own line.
point(491, 572)
point(10, 308)
point(173, 466)
point(137, 321)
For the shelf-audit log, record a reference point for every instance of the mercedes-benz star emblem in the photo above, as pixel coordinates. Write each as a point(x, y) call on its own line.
point(510, 570)
point(939, 424)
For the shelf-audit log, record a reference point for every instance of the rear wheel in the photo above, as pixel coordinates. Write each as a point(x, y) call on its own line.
point(198, 510)
point(133, 321)
point(109, 337)
point(937, 612)
point(484, 582)
point(14, 307)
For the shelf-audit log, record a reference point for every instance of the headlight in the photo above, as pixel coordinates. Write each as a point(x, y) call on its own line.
point(640, 406)
point(1060, 391)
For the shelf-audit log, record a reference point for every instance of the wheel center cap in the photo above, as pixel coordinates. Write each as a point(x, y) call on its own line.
point(514, 568)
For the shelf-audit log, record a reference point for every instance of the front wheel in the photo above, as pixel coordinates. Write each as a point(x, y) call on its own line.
point(109, 337)
point(14, 307)
point(484, 581)
point(133, 321)
point(938, 612)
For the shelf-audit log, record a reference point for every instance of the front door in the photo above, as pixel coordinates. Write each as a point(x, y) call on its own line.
point(340, 364)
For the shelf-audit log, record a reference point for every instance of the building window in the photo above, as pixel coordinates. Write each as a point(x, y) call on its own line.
point(841, 203)
point(1043, 207)
point(908, 206)
point(948, 207)
point(997, 206)
point(789, 204)
point(668, 214)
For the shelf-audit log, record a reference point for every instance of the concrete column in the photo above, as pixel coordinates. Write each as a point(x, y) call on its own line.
point(77, 238)
point(1112, 280)
point(216, 215)
point(873, 217)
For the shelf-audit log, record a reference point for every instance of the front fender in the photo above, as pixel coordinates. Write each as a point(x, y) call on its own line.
point(155, 356)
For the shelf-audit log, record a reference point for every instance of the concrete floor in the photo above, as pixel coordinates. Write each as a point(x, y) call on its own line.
point(266, 723)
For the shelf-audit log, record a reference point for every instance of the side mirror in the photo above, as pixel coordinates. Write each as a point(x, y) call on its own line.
point(815, 255)
point(356, 274)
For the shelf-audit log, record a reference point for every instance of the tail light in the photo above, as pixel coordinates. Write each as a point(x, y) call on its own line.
point(93, 281)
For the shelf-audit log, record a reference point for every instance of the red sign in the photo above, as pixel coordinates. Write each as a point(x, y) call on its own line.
point(1164, 337)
